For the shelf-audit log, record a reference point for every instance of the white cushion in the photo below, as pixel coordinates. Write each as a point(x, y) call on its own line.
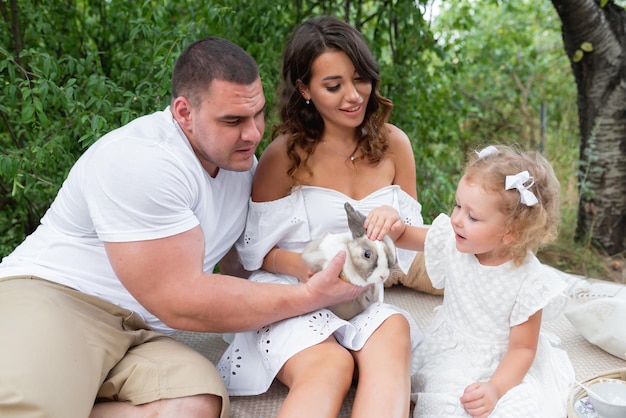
point(602, 321)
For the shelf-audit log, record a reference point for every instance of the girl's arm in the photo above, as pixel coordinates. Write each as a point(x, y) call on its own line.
point(480, 398)
point(412, 238)
point(385, 220)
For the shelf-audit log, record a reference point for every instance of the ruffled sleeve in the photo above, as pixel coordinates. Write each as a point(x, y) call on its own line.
point(410, 211)
point(268, 223)
point(542, 289)
point(437, 249)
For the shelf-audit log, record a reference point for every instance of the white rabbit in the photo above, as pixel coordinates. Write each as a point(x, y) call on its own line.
point(367, 261)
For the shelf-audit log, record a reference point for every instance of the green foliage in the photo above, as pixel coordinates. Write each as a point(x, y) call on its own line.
point(509, 61)
point(417, 77)
point(76, 69)
point(72, 73)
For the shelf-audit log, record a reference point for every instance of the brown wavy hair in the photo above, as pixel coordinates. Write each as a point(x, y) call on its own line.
point(535, 225)
point(301, 122)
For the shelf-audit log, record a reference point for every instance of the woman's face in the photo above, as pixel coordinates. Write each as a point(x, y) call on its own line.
point(338, 92)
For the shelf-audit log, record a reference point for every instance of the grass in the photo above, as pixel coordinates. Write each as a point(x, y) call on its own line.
point(581, 258)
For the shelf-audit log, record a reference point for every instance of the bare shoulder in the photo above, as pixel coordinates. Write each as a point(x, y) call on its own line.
point(400, 147)
point(271, 180)
point(398, 139)
point(275, 151)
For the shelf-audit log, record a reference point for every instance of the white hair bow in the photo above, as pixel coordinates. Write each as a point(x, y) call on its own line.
point(518, 182)
point(487, 151)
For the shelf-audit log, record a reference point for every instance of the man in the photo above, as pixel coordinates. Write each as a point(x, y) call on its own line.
point(125, 255)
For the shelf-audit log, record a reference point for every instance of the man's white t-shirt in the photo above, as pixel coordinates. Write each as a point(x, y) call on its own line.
point(139, 182)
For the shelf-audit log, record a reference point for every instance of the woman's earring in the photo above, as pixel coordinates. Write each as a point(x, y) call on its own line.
point(307, 101)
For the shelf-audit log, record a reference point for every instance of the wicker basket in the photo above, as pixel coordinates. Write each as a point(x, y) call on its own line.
point(579, 393)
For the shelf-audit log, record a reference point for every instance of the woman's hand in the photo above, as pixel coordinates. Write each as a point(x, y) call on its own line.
point(479, 399)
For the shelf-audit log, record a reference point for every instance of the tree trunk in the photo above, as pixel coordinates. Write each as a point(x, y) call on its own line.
point(594, 40)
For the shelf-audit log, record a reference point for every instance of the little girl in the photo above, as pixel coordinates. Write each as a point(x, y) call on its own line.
point(483, 354)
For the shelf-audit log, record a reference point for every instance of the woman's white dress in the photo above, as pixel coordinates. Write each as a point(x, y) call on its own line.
point(253, 358)
point(469, 334)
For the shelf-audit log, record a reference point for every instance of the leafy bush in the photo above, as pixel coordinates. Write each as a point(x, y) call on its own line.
point(74, 70)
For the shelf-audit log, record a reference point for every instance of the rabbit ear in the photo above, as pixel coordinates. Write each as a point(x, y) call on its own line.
point(356, 221)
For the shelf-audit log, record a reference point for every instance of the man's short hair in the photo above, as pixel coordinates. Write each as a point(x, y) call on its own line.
point(211, 59)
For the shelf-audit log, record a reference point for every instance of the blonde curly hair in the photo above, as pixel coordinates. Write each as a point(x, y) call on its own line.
point(532, 226)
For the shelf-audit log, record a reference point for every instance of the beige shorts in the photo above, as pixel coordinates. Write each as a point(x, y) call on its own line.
point(60, 350)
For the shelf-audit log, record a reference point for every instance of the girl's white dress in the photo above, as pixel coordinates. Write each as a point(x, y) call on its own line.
point(253, 358)
point(469, 334)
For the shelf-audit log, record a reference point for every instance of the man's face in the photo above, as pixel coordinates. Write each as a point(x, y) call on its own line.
point(226, 128)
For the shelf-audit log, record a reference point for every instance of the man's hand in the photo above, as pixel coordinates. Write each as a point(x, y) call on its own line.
point(327, 285)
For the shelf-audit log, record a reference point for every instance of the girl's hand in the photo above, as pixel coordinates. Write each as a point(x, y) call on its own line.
point(384, 220)
point(479, 399)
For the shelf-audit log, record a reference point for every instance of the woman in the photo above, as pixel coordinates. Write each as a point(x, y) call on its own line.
point(333, 145)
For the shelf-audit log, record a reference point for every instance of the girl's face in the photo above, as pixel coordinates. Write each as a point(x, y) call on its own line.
point(479, 224)
point(338, 92)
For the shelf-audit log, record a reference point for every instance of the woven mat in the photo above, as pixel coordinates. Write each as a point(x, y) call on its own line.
point(588, 360)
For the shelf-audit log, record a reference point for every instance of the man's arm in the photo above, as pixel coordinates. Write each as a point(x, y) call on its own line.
point(165, 275)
